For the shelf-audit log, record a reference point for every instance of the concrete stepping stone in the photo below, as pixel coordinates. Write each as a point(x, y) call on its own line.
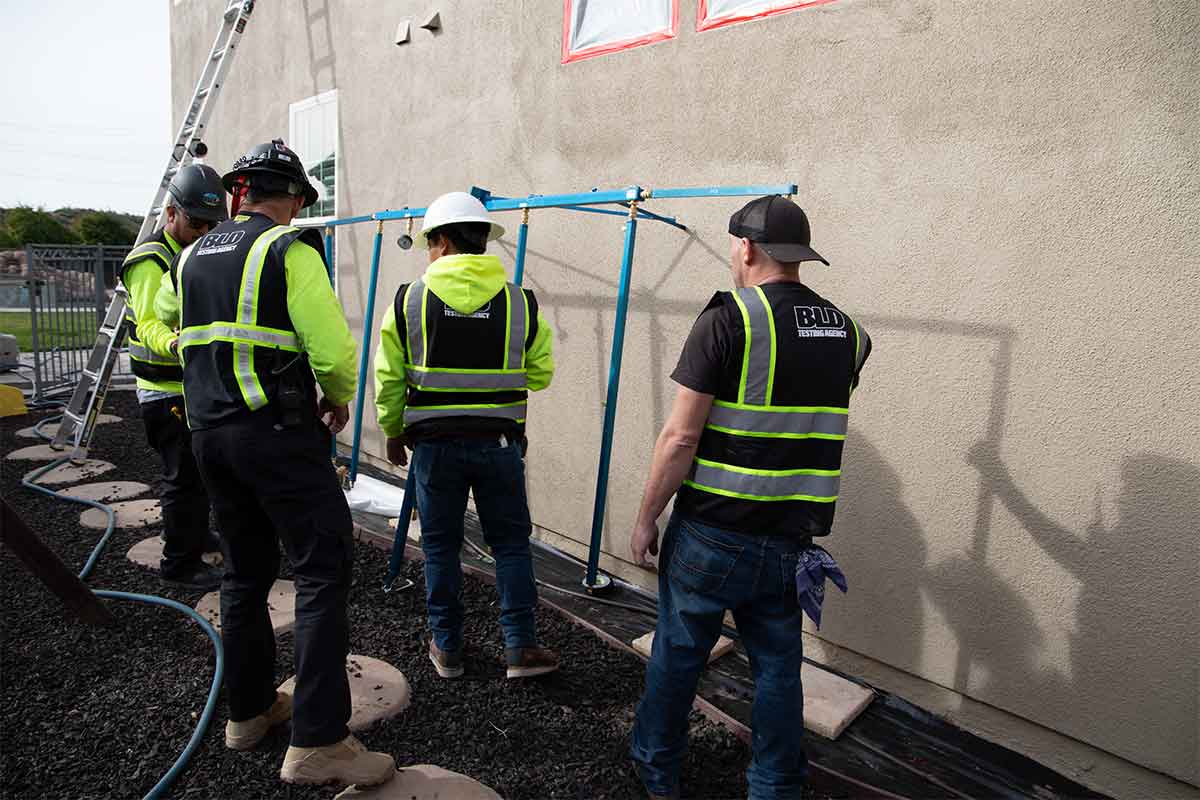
point(378, 691)
point(148, 553)
point(52, 428)
point(643, 644)
point(831, 702)
point(423, 782)
point(74, 473)
point(105, 492)
point(36, 452)
point(281, 603)
point(130, 514)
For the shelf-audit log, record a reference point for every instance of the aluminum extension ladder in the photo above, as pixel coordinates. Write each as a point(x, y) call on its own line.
point(79, 418)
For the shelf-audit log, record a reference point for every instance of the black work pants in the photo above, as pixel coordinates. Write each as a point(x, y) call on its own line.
point(268, 487)
point(184, 500)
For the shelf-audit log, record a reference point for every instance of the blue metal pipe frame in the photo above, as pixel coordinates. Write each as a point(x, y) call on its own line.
point(329, 268)
point(583, 201)
point(364, 356)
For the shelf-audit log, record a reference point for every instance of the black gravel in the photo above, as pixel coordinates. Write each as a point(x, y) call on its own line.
point(102, 713)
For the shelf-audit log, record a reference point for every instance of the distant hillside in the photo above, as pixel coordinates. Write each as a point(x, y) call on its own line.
point(23, 225)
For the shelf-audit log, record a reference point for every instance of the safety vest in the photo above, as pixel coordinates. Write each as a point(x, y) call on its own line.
point(236, 334)
point(466, 371)
point(144, 362)
point(769, 460)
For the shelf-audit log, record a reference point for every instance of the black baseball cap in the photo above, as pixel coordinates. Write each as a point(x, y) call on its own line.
point(778, 226)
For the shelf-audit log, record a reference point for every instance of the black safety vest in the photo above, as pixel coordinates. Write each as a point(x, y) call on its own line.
point(236, 334)
point(144, 362)
point(465, 372)
point(770, 458)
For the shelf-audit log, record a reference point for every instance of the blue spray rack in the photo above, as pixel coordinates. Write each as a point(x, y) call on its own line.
point(629, 199)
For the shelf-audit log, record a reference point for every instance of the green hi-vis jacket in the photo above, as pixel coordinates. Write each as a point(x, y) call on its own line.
point(142, 271)
point(465, 284)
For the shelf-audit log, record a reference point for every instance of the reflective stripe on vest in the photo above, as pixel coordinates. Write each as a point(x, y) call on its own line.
point(243, 351)
point(239, 334)
point(511, 377)
point(813, 485)
point(513, 411)
point(754, 416)
point(784, 422)
point(139, 352)
point(156, 250)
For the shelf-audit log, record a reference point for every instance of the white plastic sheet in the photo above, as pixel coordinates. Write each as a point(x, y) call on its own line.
point(594, 27)
point(375, 497)
point(714, 13)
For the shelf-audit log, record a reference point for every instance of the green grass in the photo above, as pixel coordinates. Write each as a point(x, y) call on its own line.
point(16, 323)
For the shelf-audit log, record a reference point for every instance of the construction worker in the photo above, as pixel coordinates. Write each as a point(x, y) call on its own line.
point(258, 318)
point(752, 454)
point(460, 350)
point(195, 203)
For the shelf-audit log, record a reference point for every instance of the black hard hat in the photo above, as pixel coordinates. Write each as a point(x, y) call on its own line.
point(197, 190)
point(273, 167)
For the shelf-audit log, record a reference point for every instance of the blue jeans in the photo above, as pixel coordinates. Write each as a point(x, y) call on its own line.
point(704, 571)
point(444, 470)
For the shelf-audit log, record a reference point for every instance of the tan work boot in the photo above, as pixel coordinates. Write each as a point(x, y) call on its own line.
point(448, 665)
point(247, 734)
point(347, 762)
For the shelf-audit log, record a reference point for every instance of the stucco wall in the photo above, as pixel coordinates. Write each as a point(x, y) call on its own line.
point(1008, 194)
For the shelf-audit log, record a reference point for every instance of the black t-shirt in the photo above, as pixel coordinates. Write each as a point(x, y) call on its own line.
point(710, 363)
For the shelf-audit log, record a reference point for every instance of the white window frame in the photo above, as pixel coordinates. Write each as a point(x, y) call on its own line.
point(300, 107)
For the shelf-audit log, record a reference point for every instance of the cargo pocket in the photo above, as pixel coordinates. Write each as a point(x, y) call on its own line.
point(701, 563)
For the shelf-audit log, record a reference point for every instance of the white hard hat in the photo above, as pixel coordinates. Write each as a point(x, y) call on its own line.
point(456, 207)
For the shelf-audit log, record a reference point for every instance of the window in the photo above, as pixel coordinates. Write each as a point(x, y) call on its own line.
point(313, 134)
point(715, 13)
point(595, 27)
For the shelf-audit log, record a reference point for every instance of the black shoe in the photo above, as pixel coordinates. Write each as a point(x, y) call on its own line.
point(198, 576)
point(212, 543)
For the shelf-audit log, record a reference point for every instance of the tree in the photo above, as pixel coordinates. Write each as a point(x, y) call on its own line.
point(27, 225)
point(101, 227)
point(7, 242)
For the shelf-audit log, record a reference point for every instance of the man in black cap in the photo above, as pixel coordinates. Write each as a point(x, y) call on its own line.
point(752, 454)
point(195, 204)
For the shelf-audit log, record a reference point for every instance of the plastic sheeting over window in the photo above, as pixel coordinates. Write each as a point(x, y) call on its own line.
point(715, 13)
point(595, 27)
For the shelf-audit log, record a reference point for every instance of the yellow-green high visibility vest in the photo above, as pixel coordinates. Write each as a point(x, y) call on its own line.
point(144, 362)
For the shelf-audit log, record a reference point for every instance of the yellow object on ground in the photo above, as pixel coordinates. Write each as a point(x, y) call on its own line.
point(12, 402)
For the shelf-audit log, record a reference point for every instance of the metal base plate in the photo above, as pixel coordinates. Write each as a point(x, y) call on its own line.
point(603, 584)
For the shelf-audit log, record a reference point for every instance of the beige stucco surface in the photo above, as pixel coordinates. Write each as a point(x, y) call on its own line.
point(1008, 194)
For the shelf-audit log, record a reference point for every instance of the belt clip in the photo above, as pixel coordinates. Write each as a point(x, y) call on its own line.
point(503, 440)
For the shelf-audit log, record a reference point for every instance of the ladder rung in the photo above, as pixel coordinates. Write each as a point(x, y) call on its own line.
point(154, 212)
point(171, 172)
point(108, 330)
point(91, 374)
point(200, 95)
point(233, 10)
point(216, 56)
point(72, 415)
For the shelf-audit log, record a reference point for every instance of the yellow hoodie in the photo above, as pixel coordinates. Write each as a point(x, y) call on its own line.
point(465, 283)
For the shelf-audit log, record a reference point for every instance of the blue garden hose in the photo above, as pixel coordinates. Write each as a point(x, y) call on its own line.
point(164, 783)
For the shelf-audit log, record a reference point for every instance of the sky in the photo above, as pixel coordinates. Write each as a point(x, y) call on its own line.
point(85, 110)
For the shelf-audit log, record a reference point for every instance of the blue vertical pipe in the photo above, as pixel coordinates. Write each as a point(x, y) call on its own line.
point(610, 408)
point(365, 355)
point(522, 238)
point(329, 269)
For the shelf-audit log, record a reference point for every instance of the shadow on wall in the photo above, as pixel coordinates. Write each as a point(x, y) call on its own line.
point(1138, 612)
point(878, 505)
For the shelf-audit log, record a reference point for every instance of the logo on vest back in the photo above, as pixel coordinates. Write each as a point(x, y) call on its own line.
point(820, 322)
point(483, 313)
point(214, 243)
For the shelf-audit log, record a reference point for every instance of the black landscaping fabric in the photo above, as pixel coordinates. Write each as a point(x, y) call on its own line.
point(103, 713)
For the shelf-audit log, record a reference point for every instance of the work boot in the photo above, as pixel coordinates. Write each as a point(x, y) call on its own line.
point(247, 734)
point(346, 762)
point(195, 576)
point(448, 665)
point(525, 662)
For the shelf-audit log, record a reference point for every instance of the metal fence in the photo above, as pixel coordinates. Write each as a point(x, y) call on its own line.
point(68, 288)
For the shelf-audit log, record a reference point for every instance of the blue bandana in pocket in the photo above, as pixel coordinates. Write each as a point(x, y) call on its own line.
point(813, 566)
